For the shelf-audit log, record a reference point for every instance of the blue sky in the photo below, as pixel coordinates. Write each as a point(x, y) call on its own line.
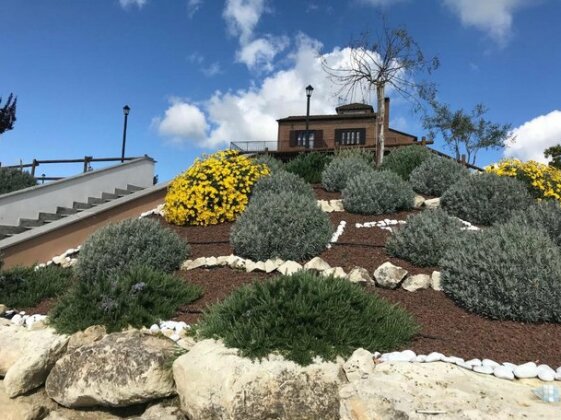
point(200, 73)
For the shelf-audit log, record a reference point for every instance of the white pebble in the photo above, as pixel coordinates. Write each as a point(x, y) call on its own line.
point(489, 363)
point(527, 370)
point(17, 319)
point(452, 359)
point(487, 370)
point(503, 372)
point(474, 362)
point(547, 376)
point(511, 366)
point(434, 357)
point(464, 365)
point(154, 328)
point(422, 358)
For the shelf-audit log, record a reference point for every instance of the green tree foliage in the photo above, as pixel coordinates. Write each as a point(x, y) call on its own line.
point(466, 132)
point(554, 152)
point(8, 114)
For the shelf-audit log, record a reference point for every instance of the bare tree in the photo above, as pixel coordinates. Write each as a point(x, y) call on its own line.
point(390, 60)
point(8, 114)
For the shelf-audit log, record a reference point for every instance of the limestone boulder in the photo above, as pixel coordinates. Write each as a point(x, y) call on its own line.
point(27, 356)
point(33, 406)
point(119, 370)
point(214, 382)
point(389, 276)
point(417, 282)
point(418, 201)
point(432, 203)
point(289, 267)
point(317, 264)
point(88, 336)
point(360, 275)
point(442, 390)
point(435, 281)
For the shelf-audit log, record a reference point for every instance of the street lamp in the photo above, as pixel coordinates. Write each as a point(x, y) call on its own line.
point(309, 90)
point(126, 110)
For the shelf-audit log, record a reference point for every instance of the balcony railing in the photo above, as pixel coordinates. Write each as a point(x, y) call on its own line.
point(253, 146)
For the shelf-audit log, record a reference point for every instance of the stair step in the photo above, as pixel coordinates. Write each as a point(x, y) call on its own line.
point(12, 230)
point(134, 188)
point(81, 206)
point(94, 201)
point(66, 211)
point(49, 216)
point(31, 223)
point(121, 193)
point(108, 196)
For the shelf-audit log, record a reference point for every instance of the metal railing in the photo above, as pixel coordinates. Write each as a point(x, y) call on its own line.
point(86, 160)
point(253, 146)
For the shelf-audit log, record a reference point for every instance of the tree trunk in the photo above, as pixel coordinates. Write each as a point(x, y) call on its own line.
point(380, 93)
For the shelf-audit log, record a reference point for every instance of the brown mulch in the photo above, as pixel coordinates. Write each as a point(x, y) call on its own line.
point(445, 327)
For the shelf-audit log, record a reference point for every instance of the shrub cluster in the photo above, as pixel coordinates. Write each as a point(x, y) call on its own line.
point(485, 198)
point(544, 215)
point(377, 192)
point(283, 181)
point(285, 225)
point(403, 160)
point(542, 181)
point(303, 316)
point(425, 237)
point(128, 243)
point(136, 297)
point(337, 173)
point(13, 180)
point(213, 190)
point(273, 164)
point(508, 271)
point(309, 166)
point(435, 175)
point(24, 286)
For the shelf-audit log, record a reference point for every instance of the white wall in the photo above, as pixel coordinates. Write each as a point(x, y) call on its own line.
point(46, 198)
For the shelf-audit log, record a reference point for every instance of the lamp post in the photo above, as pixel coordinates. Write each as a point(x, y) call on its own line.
point(309, 90)
point(126, 110)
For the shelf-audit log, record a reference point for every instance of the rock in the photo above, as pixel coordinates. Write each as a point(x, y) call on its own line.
point(222, 260)
point(473, 362)
point(503, 372)
point(434, 357)
point(452, 359)
point(360, 275)
point(317, 264)
point(435, 282)
point(389, 276)
point(162, 412)
point(260, 266)
point(416, 282)
point(545, 373)
point(336, 205)
point(324, 206)
point(487, 370)
point(62, 413)
point(418, 201)
point(211, 262)
point(213, 382)
point(191, 265)
point(3, 308)
point(399, 356)
point(88, 336)
point(337, 272)
point(406, 390)
point(33, 406)
point(186, 342)
point(289, 267)
point(236, 263)
point(119, 370)
point(489, 363)
point(250, 266)
point(360, 365)
point(272, 264)
point(421, 358)
point(527, 370)
point(432, 203)
point(27, 356)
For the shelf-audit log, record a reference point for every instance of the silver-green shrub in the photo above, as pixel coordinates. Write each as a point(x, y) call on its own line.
point(285, 225)
point(403, 160)
point(425, 237)
point(509, 271)
point(273, 164)
point(281, 181)
point(435, 175)
point(485, 198)
point(544, 214)
point(129, 243)
point(336, 174)
point(377, 192)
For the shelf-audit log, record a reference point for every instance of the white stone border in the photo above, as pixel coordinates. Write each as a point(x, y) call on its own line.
point(338, 232)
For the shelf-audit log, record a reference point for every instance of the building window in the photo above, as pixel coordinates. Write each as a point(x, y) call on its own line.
point(350, 136)
point(307, 139)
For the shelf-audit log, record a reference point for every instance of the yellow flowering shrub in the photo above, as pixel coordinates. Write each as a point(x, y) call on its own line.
point(213, 190)
point(543, 181)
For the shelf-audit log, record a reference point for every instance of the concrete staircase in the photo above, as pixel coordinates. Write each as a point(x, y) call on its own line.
point(7, 231)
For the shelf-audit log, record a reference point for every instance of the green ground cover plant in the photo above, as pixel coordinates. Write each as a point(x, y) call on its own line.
point(309, 166)
point(403, 160)
point(435, 175)
point(342, 168)
point(305, 315)
point(283, 181)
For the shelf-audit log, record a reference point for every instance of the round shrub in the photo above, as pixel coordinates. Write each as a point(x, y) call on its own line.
point(425, 237)
point(213, 190)
point(337, 173)
point(403, 160)
point(273, 164)
point(309, 166)
point(485, 198)
point(435, 175)
point(14, 180)
point(137, 297)
point(508, 271)
point(377, 192)
point(131, 242)
point(283, 181)
point(303, 316)
point(285, 225)
point(542, 181)
point(544, 215)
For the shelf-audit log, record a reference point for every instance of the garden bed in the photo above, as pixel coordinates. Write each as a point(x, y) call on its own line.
point(445, 327)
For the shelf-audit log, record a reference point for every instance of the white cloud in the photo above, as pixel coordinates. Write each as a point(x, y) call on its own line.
point(491, 16)
point(182, 122)
point(381, 3)
point(193, 7)
point(534, 136)
point(130, 3)
point(242, 16)
point(260, 53)
point(212, 70)
point(250, 114)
